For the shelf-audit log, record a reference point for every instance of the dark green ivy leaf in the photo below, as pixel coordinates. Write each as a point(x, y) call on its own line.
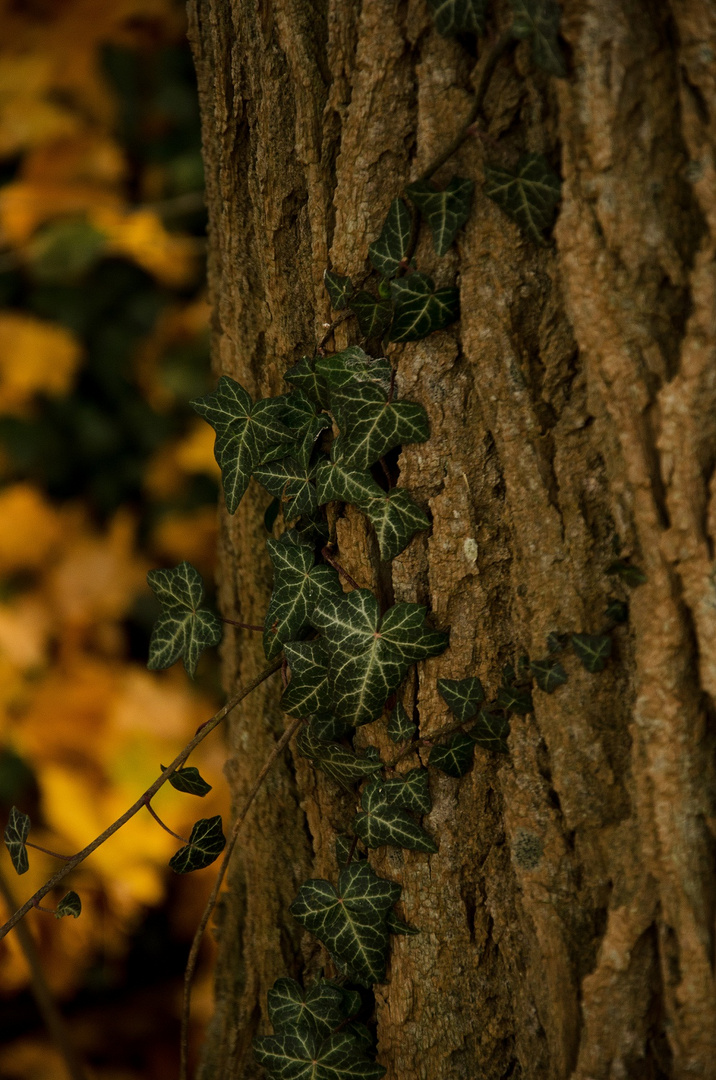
point(271, 514)
point(511, 699)
point(304, 1056)
point(326, 728)
point(340, 289)
point(304, 377)
point(336, 761)
point(291, 482)
point(397, 926)
point(410, 790)
point(372, 425)
point(189, 780)
point(391, 247)
point(400, 726)
point(16, 833)
point(381, 821)
point(529, 196)
point(463, 696)
point(617, 610)
point(350, 921)
point(298, 587)
point(343, 372)
point(557, 642)
point(70, 904)
point(308, 692)
point(539, 21)
point(445, 211)
point(455, 757)
point(631, 575)
point(318, 1010)
point(374, 316)
point(370, 656)
point(206, 842)
point(459, 16)
point(184, 628)
point(244, 432)
point(548, 674)
point(420, 309)
point(344, 847)
point(491, 731)
point(593, 650)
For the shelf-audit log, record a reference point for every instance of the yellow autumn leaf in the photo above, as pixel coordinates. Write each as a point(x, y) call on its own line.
point(191, 535)
point(34, 356)
point(141, 236)
point(30, 529)
point(25, 626)
point(28, 115)
point(25, 205)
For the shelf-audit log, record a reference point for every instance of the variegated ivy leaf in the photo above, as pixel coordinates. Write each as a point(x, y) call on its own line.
point(299, 415)
point(592, 649)
point(70, 904)
point(512, 699)
point(189, 780)
point(352, 1006)
point(548, 674)
point(381, 821)
point(462, 696)
point(326, 728)
point(410, 790)
point(304, 377)
point(348, 371)
point(400, 726)
point(420, 309)
point(16, 833)
point(455, 757)
point(391, 247)
point(308, 692)
point(336, 761)
point(539, 21)
point(373, 425)
point(491, 731)
point(184, 628)
point(397, 926)
point(298, 586)
point(206, 842)
point(459, 16)
point(301, 1055)
point(373, 315)
point(318, 1010)
point(350, 920)
point(617, 611)
point(529, 196)
point(445, 211)
point(630, 574)
point(293, 483)
point(340, 289)
point(370, 656)
point(244, 432)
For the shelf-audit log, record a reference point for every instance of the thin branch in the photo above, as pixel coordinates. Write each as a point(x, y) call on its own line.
point(46, 851)
point(424, 740)
point(337, 566)
point(211, 903)
point(241, 625)
point(43, 995)
point(166, 828)
point(203, 730)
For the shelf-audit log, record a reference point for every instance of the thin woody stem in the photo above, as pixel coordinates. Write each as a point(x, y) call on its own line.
point(46, 851)
point(424, 740)
point(203, 730)
point(211, 903)
point(337, 566)
point(241, 625)
point(166, 828)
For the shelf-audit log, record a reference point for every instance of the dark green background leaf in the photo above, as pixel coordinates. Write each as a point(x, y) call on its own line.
point(529, 196)
point(70, 904)
point(16, 833)
point(340, 289)
point(206, 842)
point(420, 309)
point(455, 757)
point(593, 650)
point(190, 780)
point(184, 628)
point(391, 247)
point(445, 211)
point(463, 696)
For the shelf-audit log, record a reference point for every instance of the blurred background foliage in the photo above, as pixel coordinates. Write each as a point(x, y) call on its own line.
point(104, 473)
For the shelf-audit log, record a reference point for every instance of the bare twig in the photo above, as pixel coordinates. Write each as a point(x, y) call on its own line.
point(241, 625)
point(166, 828)
point(46, 851)
point(211, 903)
point(425, 740)
point(337, 566)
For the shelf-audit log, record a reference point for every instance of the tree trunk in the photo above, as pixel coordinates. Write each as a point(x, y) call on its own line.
point(567, 923)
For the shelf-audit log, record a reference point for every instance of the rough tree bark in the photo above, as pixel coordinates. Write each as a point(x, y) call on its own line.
point(567, 923)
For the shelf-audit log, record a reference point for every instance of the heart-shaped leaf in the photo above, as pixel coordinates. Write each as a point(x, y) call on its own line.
point(184, 628)
point(529, 196)
point(491, 731)
point(244, 432)
point(593, 650)
point(400, 726)
point(631, 575)
point(462, 696)
point(459, 16)
point(16, 833)
point(410, 790)
point(538, 20)
point(455, 757)
point(391, 247)
point(350, 921)
point(396, 519)
point(511, 699)
point(304, 1056)
point(373, 315)
point(298, 587)
point(309, 691)
point(373, 425)
point(319, 1010)
point(206, 842)
point(445, 211)
point(336, 761)
point(548, 674)
point(304, 377)
point(397, 926)
point(340, 289)
point(70, 904)
point(189, 780)
point(291, 482)
point(344, 372)
point(380, 821)
point(420, 309)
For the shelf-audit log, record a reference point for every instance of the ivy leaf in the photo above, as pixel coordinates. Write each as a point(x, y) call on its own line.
point(350, 921)
point(344, 847)
point(342, 372)
point(593, 650)
point(509, 676)
point(396, 519)
point(455, 757)
point(326, 728)
point(397, 926)
point(184, 628)
point(548, 674)
point(380, 821)
point(369, 657)
point(308, 692)
point(304, 377)
point(410, 791)
point(462, 696)
point(16, 833)
point(206, 842)
point(631, 575)
point(189, 780)
point(336, 761)
point(337, 481)
point(373, 315)
point(352, 1006)
point(511, 699)
point(400, 726)
point(391, 247)
point(340, 289)
point(70, 904)
point(491, 731)
point(244, 432)
point(617, 610)
point(318, 1010)
point(292, 482)
point(539, 20)
point(301, 1055)
point(373, 425)
point(420, 309)
point(459, 16)
point(298, 587)
point(557, 642)
point(445, 211)
point(528, 196)
point(271, 514)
